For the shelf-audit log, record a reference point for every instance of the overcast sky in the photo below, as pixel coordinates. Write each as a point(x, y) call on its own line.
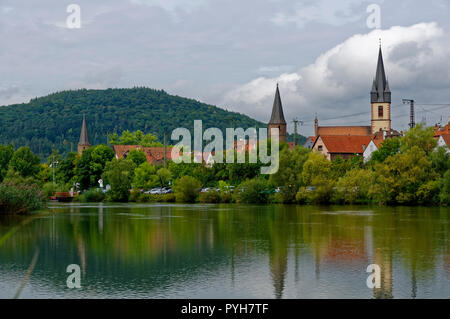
point(232, 53)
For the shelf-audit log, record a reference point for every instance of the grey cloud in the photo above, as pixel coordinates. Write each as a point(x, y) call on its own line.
point(206, 49)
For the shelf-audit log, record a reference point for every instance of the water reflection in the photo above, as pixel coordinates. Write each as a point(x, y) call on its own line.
point(222, 251)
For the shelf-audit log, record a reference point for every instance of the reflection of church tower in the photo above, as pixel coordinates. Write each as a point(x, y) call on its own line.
point(380, 98)
point(277, 119)
point(278, 267)
point(384, 260)
point(83, 143)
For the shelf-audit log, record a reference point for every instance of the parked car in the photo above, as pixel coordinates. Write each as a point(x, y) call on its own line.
point(166, 190)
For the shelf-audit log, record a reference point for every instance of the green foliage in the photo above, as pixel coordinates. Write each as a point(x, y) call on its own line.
point(6, 153)
point(444, 195)
point(400, 177)
point(119, 173)
point(137, 157)
point(354, 187)
point(187, 189)
point(389, 147)
point(253, 191)
point(89, 167)
point(316, 174)
point(65, 172)
point(289, 175)
point(20, 198)
point(54, 121)
point(421, 137)
point(135, 138)
point(145, 177)
point(93, 195)
point(164, 176)
point(212, 196)
point(440, 160)
point(25, 162)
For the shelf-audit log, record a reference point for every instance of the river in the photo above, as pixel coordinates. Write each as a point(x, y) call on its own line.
point(225, 251)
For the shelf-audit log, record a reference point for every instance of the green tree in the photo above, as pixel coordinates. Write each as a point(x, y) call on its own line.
point(187, 189)
point(164, 176)
point(389, 147)
point(135, 138)
point(317, 174)
point(444, 195)
point(253, 191)
point(355, 186)
point(137, 157)
point(25, 162)
point(145, 176)
point(440, 160)
point(400, 177)
point(89, 167)
point(289, 175)
point(6, 153)
point(421, 137)
point(119, 173)
point(66, 168)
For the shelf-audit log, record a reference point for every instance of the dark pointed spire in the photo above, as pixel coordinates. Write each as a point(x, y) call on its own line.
point(277, 110)
point(84, 139)
point(380, 88)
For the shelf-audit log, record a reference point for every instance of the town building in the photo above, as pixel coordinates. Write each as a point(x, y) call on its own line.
point(83, 143)
point(444, 141)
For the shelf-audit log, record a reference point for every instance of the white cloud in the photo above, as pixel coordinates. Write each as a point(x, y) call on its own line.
point(171, 5)
point(339, 80)
point(323, 11)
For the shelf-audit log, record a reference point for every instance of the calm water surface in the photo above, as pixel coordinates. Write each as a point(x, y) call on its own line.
point(226, 251)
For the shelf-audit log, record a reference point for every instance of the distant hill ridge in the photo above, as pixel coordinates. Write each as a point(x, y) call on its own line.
point(55, 120)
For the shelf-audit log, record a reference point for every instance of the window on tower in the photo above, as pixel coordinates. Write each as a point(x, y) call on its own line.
point(380, 111)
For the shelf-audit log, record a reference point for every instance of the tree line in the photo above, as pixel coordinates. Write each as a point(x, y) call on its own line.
point(408, 170)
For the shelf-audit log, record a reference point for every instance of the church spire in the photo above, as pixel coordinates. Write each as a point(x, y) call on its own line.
point(83, 143)
point(380, 88)
point(277, 110)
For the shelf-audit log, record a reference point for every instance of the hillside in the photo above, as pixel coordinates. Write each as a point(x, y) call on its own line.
point(55, 120)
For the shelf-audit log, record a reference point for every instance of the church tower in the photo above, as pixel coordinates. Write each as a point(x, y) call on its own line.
point(277, 119)
point(380, 97)
point(83, 143)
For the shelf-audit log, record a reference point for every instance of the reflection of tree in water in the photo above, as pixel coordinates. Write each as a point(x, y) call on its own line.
point(169, 243)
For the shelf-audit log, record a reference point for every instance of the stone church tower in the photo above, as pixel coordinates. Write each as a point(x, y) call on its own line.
point(277, 119)
point(380, 97)
point(83, 143)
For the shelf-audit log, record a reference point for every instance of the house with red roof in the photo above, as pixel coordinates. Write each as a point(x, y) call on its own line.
point(344, 146)
point(444, 141)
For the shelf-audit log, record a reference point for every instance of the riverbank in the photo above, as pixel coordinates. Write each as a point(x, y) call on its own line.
point(20, 198)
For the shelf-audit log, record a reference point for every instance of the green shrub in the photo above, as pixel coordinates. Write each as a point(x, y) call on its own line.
point(93, 195)
point(153, 198)
point(20, 198)
point(187, 189)
point(445, 189)
point(253, 191)
point(226, 197)
point(212, 196)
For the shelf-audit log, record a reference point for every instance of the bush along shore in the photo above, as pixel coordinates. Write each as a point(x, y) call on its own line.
point(409, 170)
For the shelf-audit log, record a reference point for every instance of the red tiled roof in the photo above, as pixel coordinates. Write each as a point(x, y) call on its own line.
point(346, 144)
point(438, 131)
point(154, 155)
point(344, 130)
point(446, 138)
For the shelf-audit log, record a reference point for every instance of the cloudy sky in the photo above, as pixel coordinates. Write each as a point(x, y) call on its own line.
point(232, 53)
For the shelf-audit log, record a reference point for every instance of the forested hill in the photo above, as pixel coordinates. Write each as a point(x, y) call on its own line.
point(55, 120)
